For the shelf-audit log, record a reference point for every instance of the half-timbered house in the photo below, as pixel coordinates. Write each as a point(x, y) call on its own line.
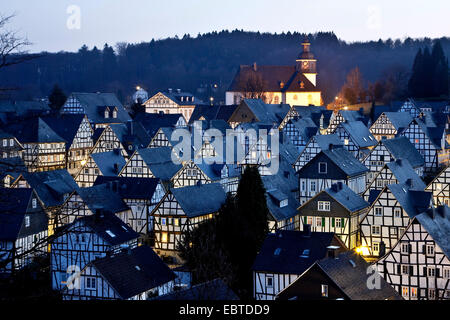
point(300, 131)
point(410, 107)
point(10, 170)
point(162, 138)
point(23, 228)
point(10, 147)
point(152, 122)
point(146, 276)
point(331, 166)
point(88, 238)
point(388, 150)
point(316, 144)
point(356, 137)
point(101, 109)
point(180, 210)
point(100, 164)
point(141, 195)
point(388, 217)
point(151, 163)
point(319, 115)
point(390, 124)
point(44, 149)
point(339, 116)
point(418, 266)
point(440, 187)
point(337, 209)
point(285, 255)
point(343, 277)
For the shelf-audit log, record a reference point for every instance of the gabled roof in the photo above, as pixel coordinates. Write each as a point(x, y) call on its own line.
point(131, 133)
point(353, 115)
point(200, 199)
point(347, 197)
point(159, 160)
point(66, 125)
point(306, 127)
point(359, 133)
point(325, 140)
point(12, 166)
point(402, 148)
point(179, 97)
point(349, 272)
point(153, 121)
point(403, 171)
point(315, 113)
point(267, 113)
point(212, 290)
point(13, 207)
point(131, 188)
point(33, 130)
point(345, 160)
point(19, 109)
point(102, 197)
point(411, 200)
point(284, 251)
point(51, 186)
point(108, 227)
point(94, 105)
point(436, 221)
point(275, 78)
point(134, 272)
point(400, 120)
point(107, 162)
point(209, 112)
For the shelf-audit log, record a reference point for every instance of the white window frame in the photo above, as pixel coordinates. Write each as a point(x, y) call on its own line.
point(323, 205)
point(326, 167)
point(324, 290)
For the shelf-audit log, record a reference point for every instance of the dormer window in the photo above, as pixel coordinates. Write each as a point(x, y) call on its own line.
point(284, 203)
point(115, 113)
point(106, 113)
point(182, 98)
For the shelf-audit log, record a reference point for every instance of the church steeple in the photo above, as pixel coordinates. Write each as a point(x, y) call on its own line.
point(306, 63)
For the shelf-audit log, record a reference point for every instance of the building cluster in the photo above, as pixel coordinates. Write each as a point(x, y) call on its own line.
point(101, 194)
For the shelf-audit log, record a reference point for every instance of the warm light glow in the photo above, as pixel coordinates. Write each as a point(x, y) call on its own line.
point(83, 162)
point(362, 250)
point(138, 88)
point(345, 108)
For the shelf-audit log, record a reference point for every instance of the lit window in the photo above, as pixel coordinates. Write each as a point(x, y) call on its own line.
point(324, 289)
point(176, 222)
point(376, 230)
point(106, 114)
point(405, 292)
point(376, 246)
point(164, 237)
point(27, 221)
point(413, 292)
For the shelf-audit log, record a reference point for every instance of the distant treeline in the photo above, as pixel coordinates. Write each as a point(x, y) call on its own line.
point(189, 63)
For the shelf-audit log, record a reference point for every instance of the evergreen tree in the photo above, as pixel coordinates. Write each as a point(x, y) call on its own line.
point(57, 98)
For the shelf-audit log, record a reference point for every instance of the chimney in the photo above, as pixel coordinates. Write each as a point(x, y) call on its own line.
point(332, 252)
point(170, 90)
point(255, 67)
point(330, 146)
point(307, 230)
point(408, 182)
point(178, 90)
point(399, 162)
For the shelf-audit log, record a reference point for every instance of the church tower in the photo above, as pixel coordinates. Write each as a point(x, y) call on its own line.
point(306, 63)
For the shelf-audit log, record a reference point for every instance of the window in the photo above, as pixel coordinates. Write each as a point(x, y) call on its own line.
point(303, 185)
point(431, 294)
point(405, 269)
point(312, 186)
point(397, 212)
point(346, 142)
point(378, 211)
point(413, 292)
point(34, 203)
point(338, 222)
point(115, 114)
point(405, 292)
point(318, 222)
point(269, 282)
point(376, 230)
point(27, 221)
point(163, 221)
point(322, 167)
point(430, 250)
point(106, 114)
point(431, 272)
point(405, 248)
point(446, 273)
point(176, 222)
point(11, 142)
point(323, 205)
point(90, 283)
point(376, 246)
point(324, 290)
point(164, 237)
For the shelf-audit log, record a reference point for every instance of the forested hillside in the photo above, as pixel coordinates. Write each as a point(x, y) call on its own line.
point(191, 62)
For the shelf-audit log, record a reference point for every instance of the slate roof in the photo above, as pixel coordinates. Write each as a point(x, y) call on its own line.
point(131, 188)
point(306, 127)
point(402, 148)
point(135, 272)
point(411, 200)
point(267, 113)
point(131, 133)
point(273, 76)
point(400, 120)
point(315, 113)
point(153, 121)
point(51, 186)
point(102, 197)
point(66, 126)
point(94, 105)
point(345, 160)
point(12, 166)
point(33, 130)
point(291, 245)
point(212, 290)
point(13, 207)
point(325, 140)
point(159, 160)
point(359, 133)
point(10, 110)
point(212, 112)
point(176, 96)
point(212, 197)
point(353, 115)
point(403, 171)
point(101, 222)
point(349, 273)
point(436, 221)
point(106, 161)
point(347, 197)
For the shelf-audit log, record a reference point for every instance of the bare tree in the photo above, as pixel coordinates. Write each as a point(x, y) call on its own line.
point(252, 85)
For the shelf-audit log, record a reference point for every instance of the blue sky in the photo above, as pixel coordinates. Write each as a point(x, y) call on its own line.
point(44, 22)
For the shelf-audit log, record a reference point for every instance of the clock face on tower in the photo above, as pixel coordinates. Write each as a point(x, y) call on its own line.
point(305, 64)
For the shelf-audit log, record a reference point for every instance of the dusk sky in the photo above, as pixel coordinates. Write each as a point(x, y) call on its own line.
point(55, 25)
